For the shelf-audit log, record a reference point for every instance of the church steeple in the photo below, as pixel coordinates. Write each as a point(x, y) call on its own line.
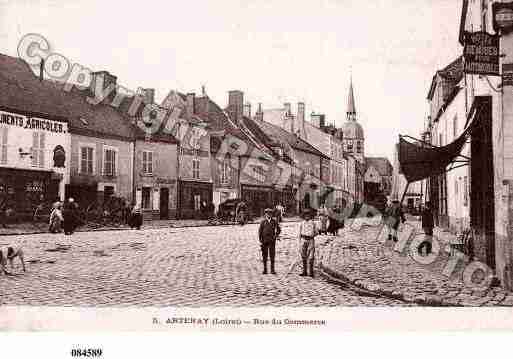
point(351, 108)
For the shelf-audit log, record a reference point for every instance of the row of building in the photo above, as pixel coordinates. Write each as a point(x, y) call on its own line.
point(470, 122)
point(173, 158)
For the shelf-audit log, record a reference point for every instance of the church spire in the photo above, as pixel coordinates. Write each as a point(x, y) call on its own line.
point(351, 108)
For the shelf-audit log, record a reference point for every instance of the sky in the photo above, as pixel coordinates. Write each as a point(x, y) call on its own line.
point(274, 51)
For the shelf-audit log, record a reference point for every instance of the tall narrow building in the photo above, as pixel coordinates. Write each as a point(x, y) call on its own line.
point(354, 140)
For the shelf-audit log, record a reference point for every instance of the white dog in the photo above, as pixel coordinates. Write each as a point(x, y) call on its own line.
point(12, 252)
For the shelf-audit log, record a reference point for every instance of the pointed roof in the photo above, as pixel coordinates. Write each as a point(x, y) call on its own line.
point(351, 108)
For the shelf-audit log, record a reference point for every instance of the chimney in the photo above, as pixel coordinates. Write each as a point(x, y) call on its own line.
point(301, 119)
point(247, 110)
point(189, 107)
point(103, 79)
point(203, 91)
point(260, 113)
point(318, 120)
point(148, 95)
point(235, 105)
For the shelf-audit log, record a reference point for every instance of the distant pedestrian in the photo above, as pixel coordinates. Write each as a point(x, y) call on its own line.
point(3, 212)
point(280, 212)
point(427, 226)
point(307, 233)
point(70, 216)
point(136, 218)
point(56, 218)
point(268, 233)
point(395, 216)
point(323, 218)
point(240, 213)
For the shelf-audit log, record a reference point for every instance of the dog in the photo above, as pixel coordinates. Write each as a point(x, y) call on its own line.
point(12, 252)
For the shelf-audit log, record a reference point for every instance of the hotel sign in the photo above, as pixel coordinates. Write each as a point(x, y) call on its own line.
point(32, 123)
point(481, 53)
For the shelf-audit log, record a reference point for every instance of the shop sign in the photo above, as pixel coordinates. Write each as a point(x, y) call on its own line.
point(481, 53)
point(160, 180)
point(32, 123)
point(507, 75)
point(502, 16)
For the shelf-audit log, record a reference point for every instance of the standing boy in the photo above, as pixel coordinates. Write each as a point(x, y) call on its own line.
point(307, 233)
point(268, 232)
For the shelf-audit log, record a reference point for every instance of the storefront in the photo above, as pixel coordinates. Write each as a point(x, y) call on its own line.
point(34, 160)
point(258, 198)
point(157, 198)
point(193, 198)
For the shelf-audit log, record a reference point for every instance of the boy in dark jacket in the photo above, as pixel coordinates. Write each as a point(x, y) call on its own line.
point(268, 233)
point(427, 226)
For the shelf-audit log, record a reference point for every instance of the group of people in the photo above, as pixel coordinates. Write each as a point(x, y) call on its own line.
point(269, 231)
point(394, 216)
point(64, 216)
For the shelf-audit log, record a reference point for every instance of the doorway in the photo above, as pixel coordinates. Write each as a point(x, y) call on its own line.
point(482, 204)
point(164, 203)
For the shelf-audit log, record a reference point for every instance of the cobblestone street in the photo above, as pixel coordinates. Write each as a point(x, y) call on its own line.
point(197, 266)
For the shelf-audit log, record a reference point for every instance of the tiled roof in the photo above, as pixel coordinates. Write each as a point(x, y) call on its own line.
point(381, 164)
point(282, 136)
point(263, 139)
point(452, 72)
point(23, 91)
point(210, 113)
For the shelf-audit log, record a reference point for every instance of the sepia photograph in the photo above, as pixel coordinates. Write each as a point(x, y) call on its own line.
point(255, 165)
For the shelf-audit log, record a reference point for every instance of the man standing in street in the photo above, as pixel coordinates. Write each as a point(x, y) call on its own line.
point(268, 233)
point(395, 216)
point(427, 226)
point(307, 233)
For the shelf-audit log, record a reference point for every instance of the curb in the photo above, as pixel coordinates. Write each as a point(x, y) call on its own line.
point(372, 289)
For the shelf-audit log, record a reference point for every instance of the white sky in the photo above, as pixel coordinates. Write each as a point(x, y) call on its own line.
point(275, 51)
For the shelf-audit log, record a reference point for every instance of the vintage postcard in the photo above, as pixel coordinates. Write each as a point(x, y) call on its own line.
point(256, 165)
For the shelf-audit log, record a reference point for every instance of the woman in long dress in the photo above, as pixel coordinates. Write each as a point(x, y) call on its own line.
point(56, 218)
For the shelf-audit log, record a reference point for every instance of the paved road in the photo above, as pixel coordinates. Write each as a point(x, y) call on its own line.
point(200, 266)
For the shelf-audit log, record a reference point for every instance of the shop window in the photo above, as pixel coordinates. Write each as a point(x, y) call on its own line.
point(38, 149)
point(86, 160)
point(109, 162)
point(195, 168)
point(225, 171)
point(3, 144)
point(147, 162)
point(146, 197)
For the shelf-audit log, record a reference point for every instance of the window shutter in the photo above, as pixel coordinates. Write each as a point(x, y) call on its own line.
point(3, 157)
point(41, 149)
point(153, 161)
point(35, 145)
point(90, 159)
point(114, 169)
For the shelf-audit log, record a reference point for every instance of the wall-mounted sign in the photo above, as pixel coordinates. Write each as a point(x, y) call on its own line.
point(481, 53)
point(31, 123)
point(502, 16)
point(507, 75)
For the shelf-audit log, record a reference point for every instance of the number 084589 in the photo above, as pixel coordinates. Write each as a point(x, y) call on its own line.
point(86, 353)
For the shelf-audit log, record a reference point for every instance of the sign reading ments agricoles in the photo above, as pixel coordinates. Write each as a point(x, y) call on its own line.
point(31, 123)
point(481, 53)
